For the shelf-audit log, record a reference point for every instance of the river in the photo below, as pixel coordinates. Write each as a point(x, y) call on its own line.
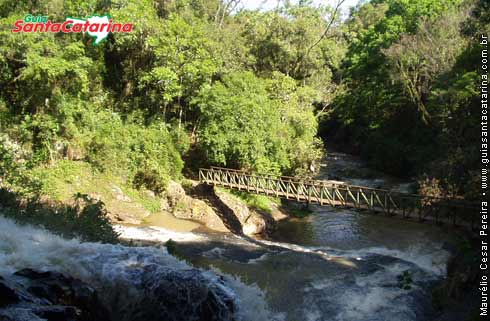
point(335, 264)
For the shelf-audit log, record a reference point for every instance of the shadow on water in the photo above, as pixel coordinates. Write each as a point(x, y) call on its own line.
point(334, 264)
point(305, 283)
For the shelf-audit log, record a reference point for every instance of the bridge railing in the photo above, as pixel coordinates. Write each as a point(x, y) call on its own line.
point(340, 194)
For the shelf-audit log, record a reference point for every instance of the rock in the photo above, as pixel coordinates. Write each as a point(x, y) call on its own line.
point(128, 215)
point(7, 295)
point(198, 210)
point(218, 211)
point(164, 205)
point(181, 296)
point(252, 222)
point(157, 293)
point(175, 193)
point(58, 313)
point(124, 212)
point(185, 207)
point(119, 194)
point(95, 196)
point(453, 297)
point(278, 214)
point(51, 296)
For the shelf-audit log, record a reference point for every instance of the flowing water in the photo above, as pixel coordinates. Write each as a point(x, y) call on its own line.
point(335, 264)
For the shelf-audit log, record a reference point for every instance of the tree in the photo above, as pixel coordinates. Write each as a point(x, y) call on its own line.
point(248, 124)
point(419, 59)
point(182, 64)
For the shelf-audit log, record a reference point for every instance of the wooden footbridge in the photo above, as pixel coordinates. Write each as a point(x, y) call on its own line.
point(332, 193)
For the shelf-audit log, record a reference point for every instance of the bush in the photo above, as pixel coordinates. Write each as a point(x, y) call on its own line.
point(257, 124)
point(13, 169)
point(85, 219)
point(146, 156)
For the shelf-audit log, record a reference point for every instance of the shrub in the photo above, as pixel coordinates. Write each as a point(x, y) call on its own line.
point(257, 124)
point(147, 156)
point(85, 219)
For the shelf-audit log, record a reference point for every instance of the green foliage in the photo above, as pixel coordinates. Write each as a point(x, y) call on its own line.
point(147, 155)
point(284, 41)
point(199, 81)
point(194, 80)
point(55, 179)
point(259, 202)
point(85, 219)
point(14, 173)
point(240, 124)
point(405, 280)
point(415, 65)
point(182, 64)
point(299, 212)
point(409, 98)
point(253, 124)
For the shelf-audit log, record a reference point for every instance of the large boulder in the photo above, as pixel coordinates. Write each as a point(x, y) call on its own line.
point(156, 293)
point(8, 295)
point(122, 209)
point(251, 221)
point(218, 210)
point(185, 207)
point(183, 295)
point(52, 296)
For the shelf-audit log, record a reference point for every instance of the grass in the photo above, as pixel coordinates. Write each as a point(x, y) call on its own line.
point(85, 219)
point(63, 180)
point(186, 184)
point(266, 203)
point(150, 203)
point(258, 202)
point(67, 178)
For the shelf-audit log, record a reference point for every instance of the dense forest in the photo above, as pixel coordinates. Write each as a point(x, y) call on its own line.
point(205, 82)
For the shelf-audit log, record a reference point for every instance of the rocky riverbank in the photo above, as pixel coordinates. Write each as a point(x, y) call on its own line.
point(455, 297)
point(212, 208)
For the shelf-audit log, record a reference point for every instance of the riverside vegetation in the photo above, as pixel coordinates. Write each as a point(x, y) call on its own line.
point(84, 129)
point(202, 83)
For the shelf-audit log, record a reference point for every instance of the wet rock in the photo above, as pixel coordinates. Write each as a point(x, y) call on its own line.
point(7, 294)
point(50, 296)
point(182, 296)
point(454, 297)
point(58, 313)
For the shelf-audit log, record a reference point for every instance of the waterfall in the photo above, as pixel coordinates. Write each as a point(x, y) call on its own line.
point(128, 278)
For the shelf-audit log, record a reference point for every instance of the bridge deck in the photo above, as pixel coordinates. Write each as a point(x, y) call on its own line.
point(440, 210)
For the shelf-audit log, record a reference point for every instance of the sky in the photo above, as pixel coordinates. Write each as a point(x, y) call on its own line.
point(270, 4)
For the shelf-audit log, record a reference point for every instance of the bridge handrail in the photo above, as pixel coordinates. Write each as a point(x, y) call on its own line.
point(321, 183)
point(248, 173)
